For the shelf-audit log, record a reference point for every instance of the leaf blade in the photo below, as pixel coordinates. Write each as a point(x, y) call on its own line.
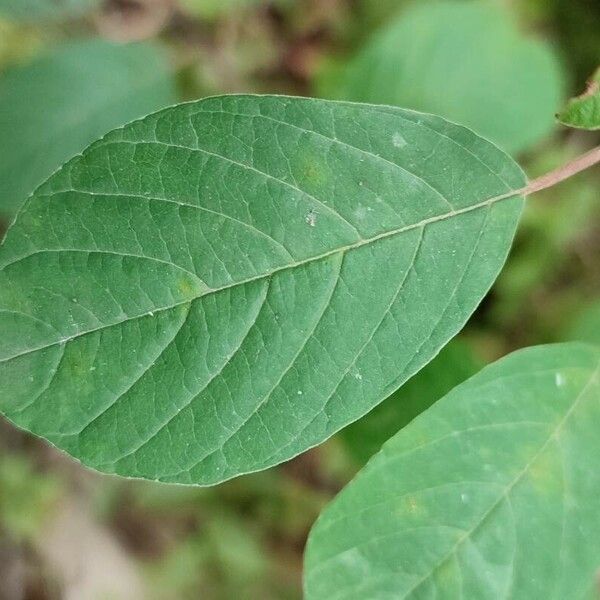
point(359, 229)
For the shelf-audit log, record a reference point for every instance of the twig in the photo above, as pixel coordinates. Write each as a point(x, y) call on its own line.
point(564, 172)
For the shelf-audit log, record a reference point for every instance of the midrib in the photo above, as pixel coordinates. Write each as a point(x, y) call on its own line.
point(292, 265)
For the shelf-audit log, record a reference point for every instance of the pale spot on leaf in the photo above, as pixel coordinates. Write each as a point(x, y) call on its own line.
point(311, 218)
point(398, 140)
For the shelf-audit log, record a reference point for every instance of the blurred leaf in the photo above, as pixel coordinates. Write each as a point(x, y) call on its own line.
point(220, 279)
point(213, 9)
point(584, 111)
point(491, 493)
point(17, 44)
point(180, 574)
point(463, 60)
point(55, 106)
point(236, 549)
point(374, 13)
point(32, 10)
point(26, 497)
point(586, 327)
point(452, 366)
point(224, 559)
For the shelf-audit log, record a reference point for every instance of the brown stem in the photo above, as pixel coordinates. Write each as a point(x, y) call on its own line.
point(571, 168)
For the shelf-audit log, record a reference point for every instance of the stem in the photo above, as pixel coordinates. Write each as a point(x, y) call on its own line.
point(571, 168)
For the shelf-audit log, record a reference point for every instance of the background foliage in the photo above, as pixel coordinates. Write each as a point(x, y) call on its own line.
point(495, 499)
point(62, 527)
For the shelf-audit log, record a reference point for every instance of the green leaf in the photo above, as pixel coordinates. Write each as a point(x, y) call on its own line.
point(452, 366)
point(32, 10)
point(584, 111)
point(218, 287)
point(54, 107)
point(465, 61)
point(491, 493)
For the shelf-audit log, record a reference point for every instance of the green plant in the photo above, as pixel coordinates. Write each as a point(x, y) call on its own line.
point(221, 285)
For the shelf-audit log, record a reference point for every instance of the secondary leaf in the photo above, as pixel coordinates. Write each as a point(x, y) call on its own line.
point(463, 60)
point(584, 111)
point(491, 493)
point(54, 107)
point(452, 366)
point(218, 287)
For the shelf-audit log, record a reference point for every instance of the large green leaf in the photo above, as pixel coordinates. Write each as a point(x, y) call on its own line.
point(463, 60)
point(491, 493)
point(451, 366)
point(54, 107)
point(584, 111)
point(31, 10)
point(217, 287)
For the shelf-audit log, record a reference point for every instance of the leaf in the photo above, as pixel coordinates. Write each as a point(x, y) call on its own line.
point(455, 363)
point(218, 287)
point(462, 60)
point(584, 111)
point(33, 10)
point(491, 493)
point(74, 94)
